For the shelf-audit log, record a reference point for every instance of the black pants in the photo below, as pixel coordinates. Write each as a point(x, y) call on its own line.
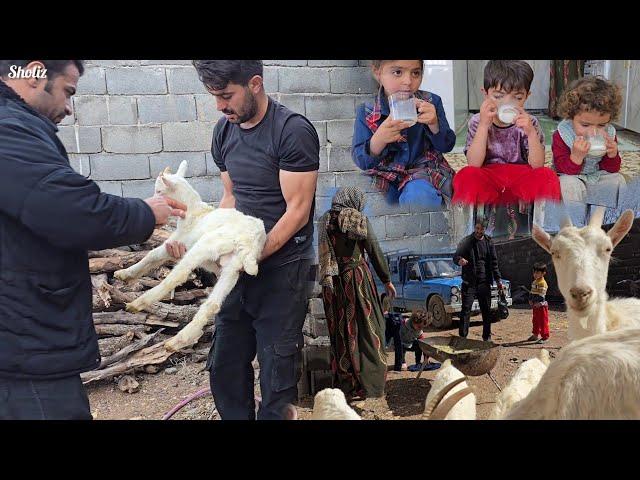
point(61, 399)
point(262, 315)
point(415, 347)
point(481, 291)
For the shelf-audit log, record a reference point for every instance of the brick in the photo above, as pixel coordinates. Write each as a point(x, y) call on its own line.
point(166, 108)
point(270, 79)
point(329, 107)
point(166, 62)
point(340, 160)
point(399, 226)
point(206, 108)
point(88, 139)
point(81, 164)
point(138, 188)
point(324, 159)
point(136, 80)
point(209, 188)
point(91, 110)
point(196, 165)
point(439, 223)
point(112, 188)
point(436, 244)
point(322, 205)
point(378, 224)
point(132, 139)
point(184, 80)
point(321, 128)
point(92, 82)
point(212, 168)
point(295, 103)
point(353, 80)
point(326, 184)
point(413, 244)
point(187, 137)
point(333, 63)
point(316, 307)
point(317, 357)
point(115, 63)
point(119, 167)
point(122, 110)
point(356, 179)
point(320, 327)
point(340, 132)
point(303, 80)
point(285, 63)
point(376, 204)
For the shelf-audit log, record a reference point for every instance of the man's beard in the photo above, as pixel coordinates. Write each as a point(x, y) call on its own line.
point(249, 109)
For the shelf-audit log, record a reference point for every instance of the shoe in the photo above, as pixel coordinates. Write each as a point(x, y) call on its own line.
point(533, 338)
point(488, 339)
point(542, 340)
point(415, 368)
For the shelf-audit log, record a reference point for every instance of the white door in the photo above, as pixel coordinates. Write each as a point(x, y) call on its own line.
point(618, 74)
point(633, 103)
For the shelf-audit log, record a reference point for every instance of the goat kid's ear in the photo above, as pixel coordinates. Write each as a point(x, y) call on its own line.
point(542, 238)
point(182, 169)
point(621, 227)
point(167, 182)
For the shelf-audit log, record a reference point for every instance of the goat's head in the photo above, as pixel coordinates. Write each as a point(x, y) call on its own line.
point(174, 185)
point(581, 258)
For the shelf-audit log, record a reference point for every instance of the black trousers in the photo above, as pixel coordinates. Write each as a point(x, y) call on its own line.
point(481, 291)
point(60, 399)
point(262, 315)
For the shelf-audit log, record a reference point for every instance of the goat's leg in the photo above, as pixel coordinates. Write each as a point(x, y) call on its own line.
point(194, 330)
point(194, 257)
point(154, 259)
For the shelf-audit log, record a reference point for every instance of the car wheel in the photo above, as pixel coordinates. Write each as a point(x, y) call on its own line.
point(441, 319)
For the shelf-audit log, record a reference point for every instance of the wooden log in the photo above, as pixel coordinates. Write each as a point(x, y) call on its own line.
point(115, 262)
point(129, 349)
point(110, 252)
point(152, 355)
point(117, 329)
point(110, 345)
point(119, 317)
point(139, 285)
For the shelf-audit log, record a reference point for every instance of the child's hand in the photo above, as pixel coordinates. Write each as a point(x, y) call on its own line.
point(426, 113)
point(488, 111)
point(611, 144)
point(523, 121)
point(579, 150)
point(389, 130)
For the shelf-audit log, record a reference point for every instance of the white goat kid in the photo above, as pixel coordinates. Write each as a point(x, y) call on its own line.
point(595, 378)
point(449, 391)
point(525, 379)
point(581, 259)
point(331, 404)
point(223, 241)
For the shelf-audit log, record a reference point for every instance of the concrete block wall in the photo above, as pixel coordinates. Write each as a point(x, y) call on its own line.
point(134, 117)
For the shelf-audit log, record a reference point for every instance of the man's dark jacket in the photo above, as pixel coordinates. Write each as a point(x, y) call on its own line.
point(465, 250)
point(49, 217)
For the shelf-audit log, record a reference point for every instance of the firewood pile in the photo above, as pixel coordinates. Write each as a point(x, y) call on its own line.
point(133, 342)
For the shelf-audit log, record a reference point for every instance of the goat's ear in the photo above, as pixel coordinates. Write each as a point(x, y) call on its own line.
point(542, 238)
point(167, 182)
point(182, 169)
point(596, 217)
point(621, 227)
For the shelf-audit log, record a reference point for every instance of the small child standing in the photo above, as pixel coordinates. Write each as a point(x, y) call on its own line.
point(539, 304)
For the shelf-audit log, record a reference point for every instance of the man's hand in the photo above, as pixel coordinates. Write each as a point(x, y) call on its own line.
point(390, 289)
point(612, 146)
point(175, 249)
point(165, 207)
point(579, 150)
point(462, 262)
point(488, 111)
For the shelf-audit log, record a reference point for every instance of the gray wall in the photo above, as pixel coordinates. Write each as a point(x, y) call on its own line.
point(134, 117)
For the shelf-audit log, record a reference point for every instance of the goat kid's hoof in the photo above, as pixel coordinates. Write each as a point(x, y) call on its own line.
point(136, 306)
point(122, 275)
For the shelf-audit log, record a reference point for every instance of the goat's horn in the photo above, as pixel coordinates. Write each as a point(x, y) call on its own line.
point(566, 221)
point(596, 217)
point(445, 407)
point(167, 171)
point(440, 395)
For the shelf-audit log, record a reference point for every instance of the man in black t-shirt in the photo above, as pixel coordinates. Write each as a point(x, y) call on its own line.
point(268, 158)
point(476, 254)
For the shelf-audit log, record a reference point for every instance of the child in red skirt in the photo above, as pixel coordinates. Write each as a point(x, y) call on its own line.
point(505, 148)
point(540, 332)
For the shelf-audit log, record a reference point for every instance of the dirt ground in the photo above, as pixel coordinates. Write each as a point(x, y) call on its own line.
point(404, 400)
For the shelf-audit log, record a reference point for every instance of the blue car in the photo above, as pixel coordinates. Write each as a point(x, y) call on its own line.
point(432, 282)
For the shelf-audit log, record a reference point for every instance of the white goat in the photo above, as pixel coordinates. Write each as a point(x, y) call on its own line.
point(331, 404)
point(460, 395)
point(223, 241)
point(525, 379)
point(597, 377)
point(581, 259)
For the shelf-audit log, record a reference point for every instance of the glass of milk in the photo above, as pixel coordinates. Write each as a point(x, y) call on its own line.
point(403, 107)
point(507, 113)
point(598, 146)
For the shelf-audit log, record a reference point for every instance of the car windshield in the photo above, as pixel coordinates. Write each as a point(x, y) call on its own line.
point(440, 267)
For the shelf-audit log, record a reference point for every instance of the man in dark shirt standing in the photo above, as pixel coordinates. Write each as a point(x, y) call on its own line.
point(268, 158)
point(476, 255)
